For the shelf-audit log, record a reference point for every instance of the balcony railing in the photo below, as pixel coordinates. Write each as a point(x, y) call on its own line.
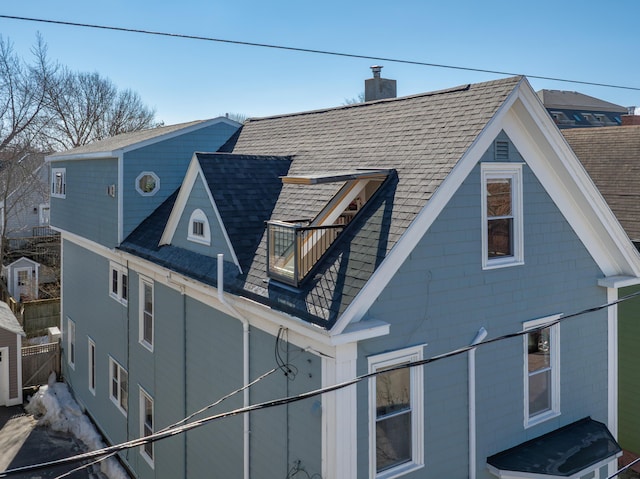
point(294, 248)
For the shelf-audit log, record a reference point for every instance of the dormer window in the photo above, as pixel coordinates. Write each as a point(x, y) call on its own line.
point(296, 246)
point(199, 231)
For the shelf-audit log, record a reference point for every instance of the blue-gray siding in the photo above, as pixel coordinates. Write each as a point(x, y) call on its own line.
point(169, 160)
point(441, 297)
point(88, 210)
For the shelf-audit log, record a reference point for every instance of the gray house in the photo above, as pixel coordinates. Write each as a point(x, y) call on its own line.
point(301, 251)
point(11, 334)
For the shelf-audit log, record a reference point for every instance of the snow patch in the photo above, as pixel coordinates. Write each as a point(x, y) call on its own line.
point(54, 407)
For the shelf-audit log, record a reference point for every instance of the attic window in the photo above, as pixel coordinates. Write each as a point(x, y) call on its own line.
point(501, 150)
point(296, 246)
point(199, 231)
point(147, 183)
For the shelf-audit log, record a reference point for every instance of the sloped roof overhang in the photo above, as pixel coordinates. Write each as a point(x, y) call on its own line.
point(571, 451)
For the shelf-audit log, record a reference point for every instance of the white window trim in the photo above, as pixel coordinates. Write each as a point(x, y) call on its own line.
point(91, 366)
point(386, 360)
point(554, 339)
point(147, 193)
point(116, 400)
point(71, 343)
point(512, 171)
point(148, 345)
point(144, 394)
point(122, 271)
point(205, 239)
point(54, 192)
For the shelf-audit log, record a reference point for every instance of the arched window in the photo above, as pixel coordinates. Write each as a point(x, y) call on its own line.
point(199, 230)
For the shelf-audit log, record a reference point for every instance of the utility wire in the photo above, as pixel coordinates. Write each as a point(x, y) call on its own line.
point(310, 50)
point(300, 397)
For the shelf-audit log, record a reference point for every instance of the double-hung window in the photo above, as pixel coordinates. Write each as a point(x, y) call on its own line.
point(542, 370)
point(118, 283)
point(59, 182)
point(146, 425)
point(396, 436)
point(119, 390)
point(502, 225)
point(146, 313)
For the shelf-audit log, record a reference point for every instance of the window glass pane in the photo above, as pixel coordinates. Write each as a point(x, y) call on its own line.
point(124, 389)
point(498, 197)
point(148, 299)
point(393, 392)
point(114, 380)
point(539, 392)
point(114, 281)
point(125, 286)
point(499, 234)
point(393, 441)
point(539, 350)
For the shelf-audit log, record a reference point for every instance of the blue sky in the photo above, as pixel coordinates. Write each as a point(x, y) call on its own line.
point(184, 80)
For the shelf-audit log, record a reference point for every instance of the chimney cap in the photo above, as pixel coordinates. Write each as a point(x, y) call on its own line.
point(376, 70)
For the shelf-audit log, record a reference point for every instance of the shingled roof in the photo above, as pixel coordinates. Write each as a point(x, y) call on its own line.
point(420, 138)
point(611, 156)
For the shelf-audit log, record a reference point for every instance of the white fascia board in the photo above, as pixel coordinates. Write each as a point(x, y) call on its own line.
point(98, 155)
point(193, 173)
point(619, 281)
point(555, 165)
point(423, 221)
point(120, 198)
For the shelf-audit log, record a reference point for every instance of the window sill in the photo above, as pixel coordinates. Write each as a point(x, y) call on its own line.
point(501, 263)
point(540, 418)
point(123, 302)
point(199, 240)
point(147, 459)
point(117, 405)
point(146, 345)
point(398, 471)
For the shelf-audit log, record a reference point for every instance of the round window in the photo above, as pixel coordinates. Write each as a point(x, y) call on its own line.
point(147, 183)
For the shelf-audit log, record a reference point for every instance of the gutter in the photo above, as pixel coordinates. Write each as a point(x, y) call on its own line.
point(482, 333)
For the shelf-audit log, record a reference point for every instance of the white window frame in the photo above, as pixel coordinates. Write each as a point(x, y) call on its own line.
point(71, 343)
point(118, 378)
point(199, 216)
point(91, 366)
point(44, 219)
point(554, 345)
point(384, 361)
point(122, 289)
point(145, 396)
point(513, 172)
point(143, 314)
point(59, 190)
point(154, 190)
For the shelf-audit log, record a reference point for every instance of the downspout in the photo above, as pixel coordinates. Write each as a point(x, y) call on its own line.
point(245, 360)
point(482, 333)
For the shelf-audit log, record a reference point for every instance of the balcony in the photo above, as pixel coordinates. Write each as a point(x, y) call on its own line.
point(295, 247)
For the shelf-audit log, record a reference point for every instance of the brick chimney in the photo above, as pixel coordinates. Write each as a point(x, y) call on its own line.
point(377, 88)
point(633, 118)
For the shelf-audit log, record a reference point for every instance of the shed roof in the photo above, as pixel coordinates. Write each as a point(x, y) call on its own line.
point(8, 320)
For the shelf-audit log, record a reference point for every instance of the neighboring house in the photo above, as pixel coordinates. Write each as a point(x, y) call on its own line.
point(570, 109)
point(27, 202)
point(330, 244)
point(612, 158)
point(11, 334)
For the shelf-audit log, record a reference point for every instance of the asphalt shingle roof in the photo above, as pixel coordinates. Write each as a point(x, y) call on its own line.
point(420, 138)
point(8, 320)
point(611, 156)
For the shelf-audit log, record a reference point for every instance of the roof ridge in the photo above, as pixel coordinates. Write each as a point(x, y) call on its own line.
point(445, 91)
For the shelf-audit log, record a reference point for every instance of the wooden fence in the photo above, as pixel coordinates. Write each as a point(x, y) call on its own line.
point(38, 362)
point(38, 315)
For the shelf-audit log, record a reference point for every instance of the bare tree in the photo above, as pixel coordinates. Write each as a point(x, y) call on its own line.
point(87, 107)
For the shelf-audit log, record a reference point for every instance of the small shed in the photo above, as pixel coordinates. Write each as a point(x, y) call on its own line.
point(11, 334)
point(22, 279)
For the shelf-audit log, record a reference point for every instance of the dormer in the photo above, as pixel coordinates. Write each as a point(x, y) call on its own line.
point(294, 247)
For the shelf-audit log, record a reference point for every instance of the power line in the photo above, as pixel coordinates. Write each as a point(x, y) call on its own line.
point(163, 434)
point(311, 50)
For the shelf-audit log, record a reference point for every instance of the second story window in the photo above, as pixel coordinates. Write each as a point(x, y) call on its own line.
point(502, 239)
point(118, 283)
point(146, 314)
point(147, 183)
point(58, 182)
point(119, 390)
